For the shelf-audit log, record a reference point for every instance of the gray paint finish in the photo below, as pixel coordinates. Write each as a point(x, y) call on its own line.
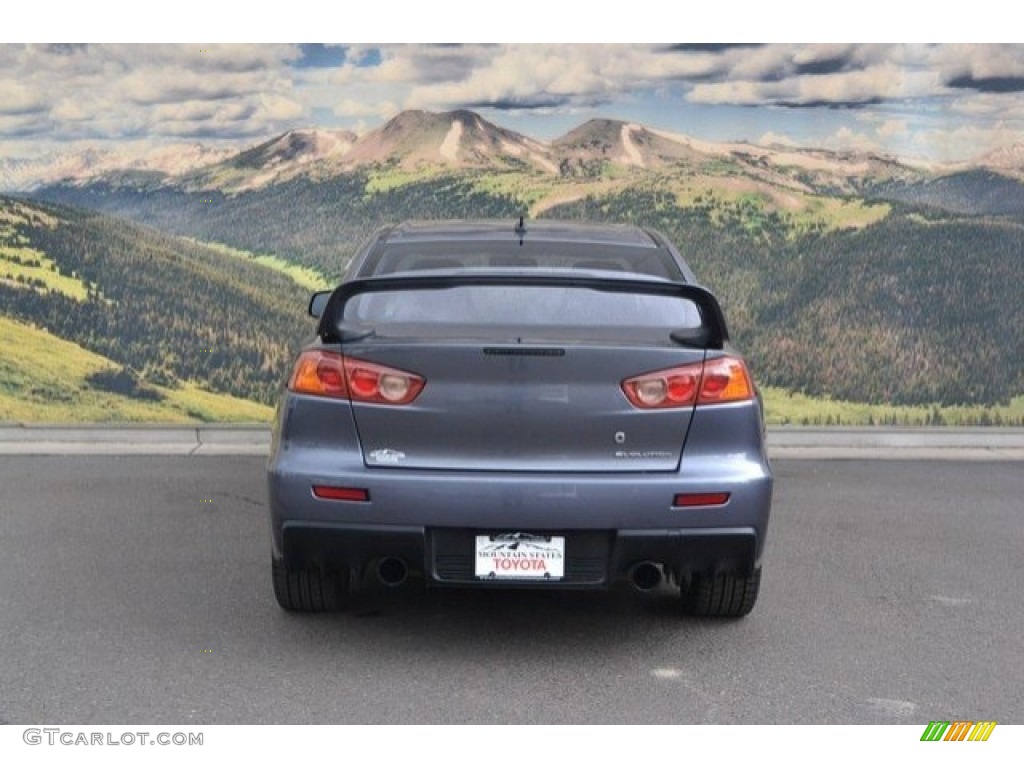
point(543, 444)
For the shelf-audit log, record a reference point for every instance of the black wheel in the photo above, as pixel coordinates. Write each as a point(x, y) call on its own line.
point(725, 596)
point(309, 590)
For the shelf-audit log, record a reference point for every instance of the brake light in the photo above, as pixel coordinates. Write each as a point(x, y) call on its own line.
point(372, 383)
point(671, 388)
point(330, 374)
point(722, 380)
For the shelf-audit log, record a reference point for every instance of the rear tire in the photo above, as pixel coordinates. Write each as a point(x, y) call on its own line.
point(724, 596)
point(309, 590)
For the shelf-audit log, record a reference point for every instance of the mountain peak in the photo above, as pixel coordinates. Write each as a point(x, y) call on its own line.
point(296, 146)
point(604, 140)
point(460, 138)
point(1008, 158)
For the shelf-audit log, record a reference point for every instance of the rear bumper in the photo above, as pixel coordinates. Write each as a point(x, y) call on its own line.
point(594, 559)
point(610, 521)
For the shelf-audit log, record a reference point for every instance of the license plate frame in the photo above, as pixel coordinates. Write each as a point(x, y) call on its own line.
point(519, 556)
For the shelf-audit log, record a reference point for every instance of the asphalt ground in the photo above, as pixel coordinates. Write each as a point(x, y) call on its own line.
point(136, 589)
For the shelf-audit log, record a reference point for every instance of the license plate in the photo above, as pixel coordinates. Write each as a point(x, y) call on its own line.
point(520, 556)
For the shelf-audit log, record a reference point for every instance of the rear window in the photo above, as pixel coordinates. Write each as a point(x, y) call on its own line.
point(530, 256)
point(482, 306)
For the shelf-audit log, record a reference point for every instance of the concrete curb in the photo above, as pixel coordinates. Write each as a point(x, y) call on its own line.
point(134, 439)
point(895, 443)
point(882, 443)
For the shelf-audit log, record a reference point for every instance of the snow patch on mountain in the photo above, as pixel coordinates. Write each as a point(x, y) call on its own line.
point(512, 149)
point(632, 156)
point(450, 145)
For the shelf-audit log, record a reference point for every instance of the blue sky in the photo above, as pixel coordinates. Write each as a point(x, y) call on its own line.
point(946, 102)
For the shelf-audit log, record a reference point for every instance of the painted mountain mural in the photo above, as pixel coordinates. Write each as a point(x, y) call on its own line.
point(862, 287)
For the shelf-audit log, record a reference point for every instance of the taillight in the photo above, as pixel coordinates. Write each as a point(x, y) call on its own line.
point(726, 380)
point(722, 380)
point(372, 383)
point(671, 388)
point(321, 373)
point(329, 374)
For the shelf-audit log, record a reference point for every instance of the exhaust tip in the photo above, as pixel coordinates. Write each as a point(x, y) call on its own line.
point(392, 572)
point(645, 576)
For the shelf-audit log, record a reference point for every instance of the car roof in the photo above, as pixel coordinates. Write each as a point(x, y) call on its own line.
point(540, 230)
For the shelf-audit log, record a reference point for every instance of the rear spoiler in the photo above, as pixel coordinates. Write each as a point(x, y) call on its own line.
point(712, 334)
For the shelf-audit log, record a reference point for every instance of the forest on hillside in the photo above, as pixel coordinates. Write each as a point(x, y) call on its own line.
point(911, 310)
point(314, 223)
point(166, 309)
point(921, 307)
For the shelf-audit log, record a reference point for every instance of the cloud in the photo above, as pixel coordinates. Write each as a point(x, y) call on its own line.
point(871, 85)
point(988, 106)
point(964, 142)
point(1001, 84)
point(170, 86)
point(354, 108)
point(846, 138)
point(117, 92)
point(705, 47)
point(412, 64)
point(23, 125)
point(518, 75)
point(276, 107)
point(71, 93)
point(16, 99)
point(771, 138)
point(890, 128)
point(541, 101)
point(822, 66)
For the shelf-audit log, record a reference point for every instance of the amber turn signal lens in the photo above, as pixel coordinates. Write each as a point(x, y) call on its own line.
point(330, 374)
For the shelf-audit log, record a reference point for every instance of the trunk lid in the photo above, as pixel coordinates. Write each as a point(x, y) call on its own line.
point(522, 407)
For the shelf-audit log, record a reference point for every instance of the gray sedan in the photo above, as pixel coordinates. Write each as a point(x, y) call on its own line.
point(519, 404)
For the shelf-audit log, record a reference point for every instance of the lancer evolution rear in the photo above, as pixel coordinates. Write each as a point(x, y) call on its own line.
point(493, 404)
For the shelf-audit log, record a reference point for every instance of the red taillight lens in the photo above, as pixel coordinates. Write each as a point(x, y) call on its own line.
point(671, 388)
point(334, 493)
point(372, 383)
point(723, 380)
point(329, 374)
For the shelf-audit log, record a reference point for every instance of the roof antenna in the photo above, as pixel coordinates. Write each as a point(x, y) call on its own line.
point(520, 230)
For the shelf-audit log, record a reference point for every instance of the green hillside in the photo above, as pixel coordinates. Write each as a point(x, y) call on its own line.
point(316, 224)
point(835, 298)
point(908, 310)
point(46, 379)
point(165, 312)
point(783, 407)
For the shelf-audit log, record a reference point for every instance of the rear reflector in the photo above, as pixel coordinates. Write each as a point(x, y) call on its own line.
point(335, 493)
point(700, 499)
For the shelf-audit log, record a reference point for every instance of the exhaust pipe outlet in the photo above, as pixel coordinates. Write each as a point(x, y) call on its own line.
point(645, 576)
point(392, 572)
